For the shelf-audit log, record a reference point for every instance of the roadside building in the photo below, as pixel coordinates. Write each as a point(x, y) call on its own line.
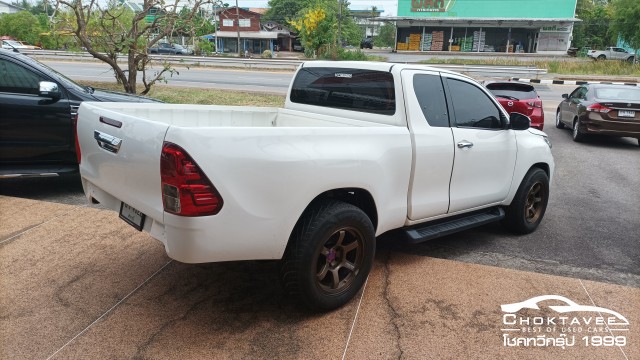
point(255, 37)
point(8, 8)
point(530, 26)
point(365, 17)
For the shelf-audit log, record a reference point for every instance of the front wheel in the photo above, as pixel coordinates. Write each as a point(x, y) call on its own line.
point(602, 57)
point(530, 203)
point(559, 123)
point(329, 256)
point(577, 134)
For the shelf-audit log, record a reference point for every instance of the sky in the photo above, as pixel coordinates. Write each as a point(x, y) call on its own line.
point(390, 6)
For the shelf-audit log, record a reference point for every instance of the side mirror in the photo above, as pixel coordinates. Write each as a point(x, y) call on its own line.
point(49, 90)
point(565, 96)
point(518, 121)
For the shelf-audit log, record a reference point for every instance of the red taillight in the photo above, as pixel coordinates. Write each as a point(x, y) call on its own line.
point(186, 190)
point(535, 104)
point(74, 119)
point(598, 108)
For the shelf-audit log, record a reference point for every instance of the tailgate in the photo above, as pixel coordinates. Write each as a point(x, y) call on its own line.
point(121, 156)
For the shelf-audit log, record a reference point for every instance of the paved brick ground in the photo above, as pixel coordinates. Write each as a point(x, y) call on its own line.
point(76, 282)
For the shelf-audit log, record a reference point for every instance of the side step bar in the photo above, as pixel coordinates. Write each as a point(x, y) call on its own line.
point(429, 231)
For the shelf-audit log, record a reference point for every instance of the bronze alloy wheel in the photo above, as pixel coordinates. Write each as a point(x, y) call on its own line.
point(339, 259)
point(534, 205)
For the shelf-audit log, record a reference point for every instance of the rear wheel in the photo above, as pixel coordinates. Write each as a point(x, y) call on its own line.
point(559, 123)
point(577, 133)
point(530, 203)
point(329, 255)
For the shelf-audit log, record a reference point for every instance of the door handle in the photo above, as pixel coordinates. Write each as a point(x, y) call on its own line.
point(464, 144)
point(107, 142)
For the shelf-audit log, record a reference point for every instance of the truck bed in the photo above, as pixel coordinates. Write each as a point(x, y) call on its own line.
point(180, 115)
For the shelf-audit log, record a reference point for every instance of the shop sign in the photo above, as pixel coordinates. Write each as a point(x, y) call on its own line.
point(555, 28)
point(431, 5)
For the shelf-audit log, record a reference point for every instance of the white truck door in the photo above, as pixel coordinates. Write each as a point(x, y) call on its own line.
point(485, 153)
point(433, 146)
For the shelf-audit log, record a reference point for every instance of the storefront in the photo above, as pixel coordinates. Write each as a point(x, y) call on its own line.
point(517, 26)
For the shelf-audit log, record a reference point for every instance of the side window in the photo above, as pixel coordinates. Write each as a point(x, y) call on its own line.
point(579, 93)
point(430, 94)
point(16, 79)
point(472, 107)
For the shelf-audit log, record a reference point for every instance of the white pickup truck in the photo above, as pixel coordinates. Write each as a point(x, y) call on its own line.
point(359, 149)
point(612, 53)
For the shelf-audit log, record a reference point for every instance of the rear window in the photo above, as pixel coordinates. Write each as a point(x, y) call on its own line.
point(349, 89)
point(513, 90)
point(627, 94)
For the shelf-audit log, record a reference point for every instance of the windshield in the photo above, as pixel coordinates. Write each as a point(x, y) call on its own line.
point(178, 46)
point(618, 94)
point(12, 42)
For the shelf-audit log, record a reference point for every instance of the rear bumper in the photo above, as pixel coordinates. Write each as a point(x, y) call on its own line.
point(228, 236)
point(594, 124)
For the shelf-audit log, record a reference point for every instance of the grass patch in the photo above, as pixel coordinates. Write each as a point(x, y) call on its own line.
point(553, 66)
point(184, 95)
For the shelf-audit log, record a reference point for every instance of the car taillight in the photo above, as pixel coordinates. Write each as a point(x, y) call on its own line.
point(74, 119)
point(535, 104)
point(598, 108)
point(186, 190)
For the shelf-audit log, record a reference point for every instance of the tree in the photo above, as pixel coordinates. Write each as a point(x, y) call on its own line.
point(594, 30)
point(107, 30)
point(626, 21)
point(21, 25)
point(284, 10)
point(386, 35)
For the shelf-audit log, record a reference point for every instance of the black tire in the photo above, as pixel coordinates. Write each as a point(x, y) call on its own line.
point(530, 203)
point(602, 57)
point(631, 59)
point(576, 133)
point(559, 123)
point(314, 268)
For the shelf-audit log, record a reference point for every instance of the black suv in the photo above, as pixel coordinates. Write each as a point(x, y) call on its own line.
point(366, 43)
point(38, 108)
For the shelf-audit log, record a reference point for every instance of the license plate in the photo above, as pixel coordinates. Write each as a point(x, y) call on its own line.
point(626, 113)
point(132, 216)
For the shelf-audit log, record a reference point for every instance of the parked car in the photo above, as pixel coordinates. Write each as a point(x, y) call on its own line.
point(366, 43)
point(38, 109)
point(297, 46)
point(519, 97)
point(173, 49)
point(601, 109)
point(29, 46)
point(13, 44)
point(612, 53)
point(359, 149)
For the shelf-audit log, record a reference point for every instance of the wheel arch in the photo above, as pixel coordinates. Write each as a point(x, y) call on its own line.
point(357, 197)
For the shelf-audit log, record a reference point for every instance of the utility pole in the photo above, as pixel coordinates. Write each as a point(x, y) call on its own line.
point(238, 18)
point(340, 23)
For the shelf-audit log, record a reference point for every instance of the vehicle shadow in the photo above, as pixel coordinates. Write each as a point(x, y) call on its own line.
point(64, 189)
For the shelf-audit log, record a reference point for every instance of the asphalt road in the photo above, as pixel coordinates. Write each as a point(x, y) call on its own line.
point(590, 230)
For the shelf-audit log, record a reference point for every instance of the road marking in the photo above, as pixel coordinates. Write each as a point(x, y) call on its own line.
point(594, 304)
point(42, 223)
point(353, 325)
point(111, 309)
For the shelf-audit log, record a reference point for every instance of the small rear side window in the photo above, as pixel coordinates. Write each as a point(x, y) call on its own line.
point(349, 89)
point(513, 90)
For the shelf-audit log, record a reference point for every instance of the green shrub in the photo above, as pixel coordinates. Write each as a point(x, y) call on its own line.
point(267, 54)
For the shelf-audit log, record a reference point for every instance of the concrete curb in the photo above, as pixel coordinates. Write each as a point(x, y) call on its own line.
point(572, 82)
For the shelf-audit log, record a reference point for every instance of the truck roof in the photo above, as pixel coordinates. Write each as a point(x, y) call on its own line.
point(375, 65)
